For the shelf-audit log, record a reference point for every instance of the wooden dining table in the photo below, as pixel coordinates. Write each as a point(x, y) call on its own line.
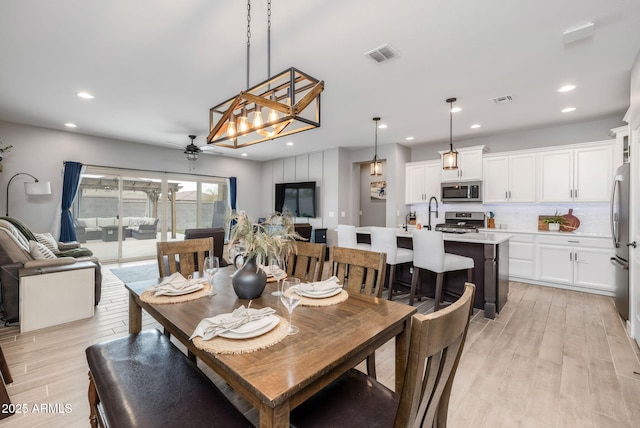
point(332, 339)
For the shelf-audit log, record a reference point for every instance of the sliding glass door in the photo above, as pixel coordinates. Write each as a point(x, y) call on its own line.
point(143, 208)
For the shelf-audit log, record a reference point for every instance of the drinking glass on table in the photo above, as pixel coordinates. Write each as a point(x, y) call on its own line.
point(211, 266)
point(276, 269)
point(290, 298)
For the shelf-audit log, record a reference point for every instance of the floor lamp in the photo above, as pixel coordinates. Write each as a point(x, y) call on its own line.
point(36, 187)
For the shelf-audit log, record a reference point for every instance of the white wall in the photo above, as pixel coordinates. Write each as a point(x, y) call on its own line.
point(594, 130)
point(41, 152)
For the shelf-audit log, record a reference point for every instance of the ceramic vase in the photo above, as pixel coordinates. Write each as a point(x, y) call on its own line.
point(249, 281)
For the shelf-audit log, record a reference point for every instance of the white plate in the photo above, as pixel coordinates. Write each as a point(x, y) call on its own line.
point(252, 329)
point(322, 294)
point(187, 290)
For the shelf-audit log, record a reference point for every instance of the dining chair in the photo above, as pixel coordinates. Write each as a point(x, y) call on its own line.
point(385, 240)
point(348, 238)
point(307, 263)
point(359, 272)
point(429, 254)
point(435, 347)
point(185, 257)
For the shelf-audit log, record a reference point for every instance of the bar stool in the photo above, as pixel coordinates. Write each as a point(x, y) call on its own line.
point(347, 238)
point(428, 253)
point(384, 240)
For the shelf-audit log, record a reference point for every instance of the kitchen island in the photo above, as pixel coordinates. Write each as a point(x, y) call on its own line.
point(490, 254)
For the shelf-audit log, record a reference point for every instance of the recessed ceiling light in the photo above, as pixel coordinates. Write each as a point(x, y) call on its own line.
point(409, 138)
point(456, 109)
point(70, 125)
point(568, 109)
point(382, 126)
point(244, 155)
point(85, 95)
point(567, 88)
point(289, 143)
point(475, 126)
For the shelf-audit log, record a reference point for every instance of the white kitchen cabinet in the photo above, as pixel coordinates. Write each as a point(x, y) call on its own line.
point(577, 261)
point(509, 178)
point(422, 182)
point(522, 256)
point(469, 165)
point(577, 175)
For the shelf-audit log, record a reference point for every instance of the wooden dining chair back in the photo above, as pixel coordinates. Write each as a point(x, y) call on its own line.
point(307, 262)
point(359, 271)
point(435, 347)
point(185, 257)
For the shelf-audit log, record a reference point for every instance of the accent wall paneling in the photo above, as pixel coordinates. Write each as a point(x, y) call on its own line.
point(302, 168)
point(289, 171)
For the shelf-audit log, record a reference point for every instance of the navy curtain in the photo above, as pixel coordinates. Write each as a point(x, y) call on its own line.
point(69, 189)
point(233, 192)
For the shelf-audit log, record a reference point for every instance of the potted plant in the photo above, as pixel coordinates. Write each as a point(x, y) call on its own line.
point(255, 243)
point(554, 222)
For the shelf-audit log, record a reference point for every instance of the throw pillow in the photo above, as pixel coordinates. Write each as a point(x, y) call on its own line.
point(48, 241)
point(39, 251)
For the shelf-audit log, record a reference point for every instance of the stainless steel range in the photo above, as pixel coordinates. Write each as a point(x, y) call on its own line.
point(461, 222)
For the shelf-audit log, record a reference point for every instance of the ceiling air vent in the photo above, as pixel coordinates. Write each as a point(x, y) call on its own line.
point(502, 100)
point(382, 53)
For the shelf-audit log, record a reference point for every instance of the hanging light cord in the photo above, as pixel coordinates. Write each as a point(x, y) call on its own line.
point(375, 154)
point(248, 38)
point(451, 124)
point(269, 40)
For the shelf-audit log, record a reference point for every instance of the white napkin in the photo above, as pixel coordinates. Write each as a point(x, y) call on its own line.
point(177, 283)
point(209, 328)
point(327, 285)
point(269, 272)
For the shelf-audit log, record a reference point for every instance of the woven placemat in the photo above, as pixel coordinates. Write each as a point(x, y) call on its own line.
point(220, 345)
point(327, 301)
point(148, 296)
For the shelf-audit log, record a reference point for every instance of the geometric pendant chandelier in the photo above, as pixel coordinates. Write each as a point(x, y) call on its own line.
point(284, 104)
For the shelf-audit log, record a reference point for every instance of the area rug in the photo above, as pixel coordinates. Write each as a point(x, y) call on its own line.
point(137, 273)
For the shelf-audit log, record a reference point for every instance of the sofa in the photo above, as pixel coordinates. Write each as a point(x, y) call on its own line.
point(17, 258)
point(91, 228)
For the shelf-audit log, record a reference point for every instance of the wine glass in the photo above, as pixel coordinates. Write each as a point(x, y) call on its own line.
point(276, 268)
point(290, 298)
point(211, 266)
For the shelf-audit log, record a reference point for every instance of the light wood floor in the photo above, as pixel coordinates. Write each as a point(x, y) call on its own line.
point(551, 358)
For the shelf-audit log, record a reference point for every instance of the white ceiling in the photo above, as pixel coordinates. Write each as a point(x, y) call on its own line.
point(157, 66)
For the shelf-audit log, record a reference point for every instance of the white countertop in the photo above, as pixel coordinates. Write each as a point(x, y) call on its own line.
point(472, 237)
point(546, 232)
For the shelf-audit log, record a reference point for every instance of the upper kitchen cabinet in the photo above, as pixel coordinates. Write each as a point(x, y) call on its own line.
point(509, 178)
point(422, 182)
point(581, 174)
point(469, 165)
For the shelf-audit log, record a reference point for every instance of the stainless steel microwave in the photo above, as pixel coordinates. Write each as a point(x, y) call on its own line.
point(464, 191)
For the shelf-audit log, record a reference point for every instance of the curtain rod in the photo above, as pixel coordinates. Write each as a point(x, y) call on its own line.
point(148, 170)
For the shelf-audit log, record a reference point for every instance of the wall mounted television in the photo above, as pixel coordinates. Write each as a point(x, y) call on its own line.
point(299, 199)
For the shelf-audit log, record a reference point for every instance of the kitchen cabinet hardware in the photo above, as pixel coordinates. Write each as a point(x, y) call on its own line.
point(573, 242)
point(632, 244)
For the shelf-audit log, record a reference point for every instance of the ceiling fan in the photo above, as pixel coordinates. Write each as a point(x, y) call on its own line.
point(192, 151)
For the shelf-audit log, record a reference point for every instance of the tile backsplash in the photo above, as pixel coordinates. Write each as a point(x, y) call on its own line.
point(594, 217)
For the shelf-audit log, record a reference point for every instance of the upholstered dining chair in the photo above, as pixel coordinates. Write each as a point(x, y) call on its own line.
point(185, 257)
point(385, 240)
point(348, 238)
point(429, 254)
point(358, 400)
point(307, 263)
point(359, 272)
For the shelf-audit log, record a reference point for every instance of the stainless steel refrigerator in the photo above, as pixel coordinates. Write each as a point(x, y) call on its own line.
point(620, 234)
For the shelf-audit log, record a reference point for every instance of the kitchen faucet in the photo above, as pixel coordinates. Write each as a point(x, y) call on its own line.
point(433, 198)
